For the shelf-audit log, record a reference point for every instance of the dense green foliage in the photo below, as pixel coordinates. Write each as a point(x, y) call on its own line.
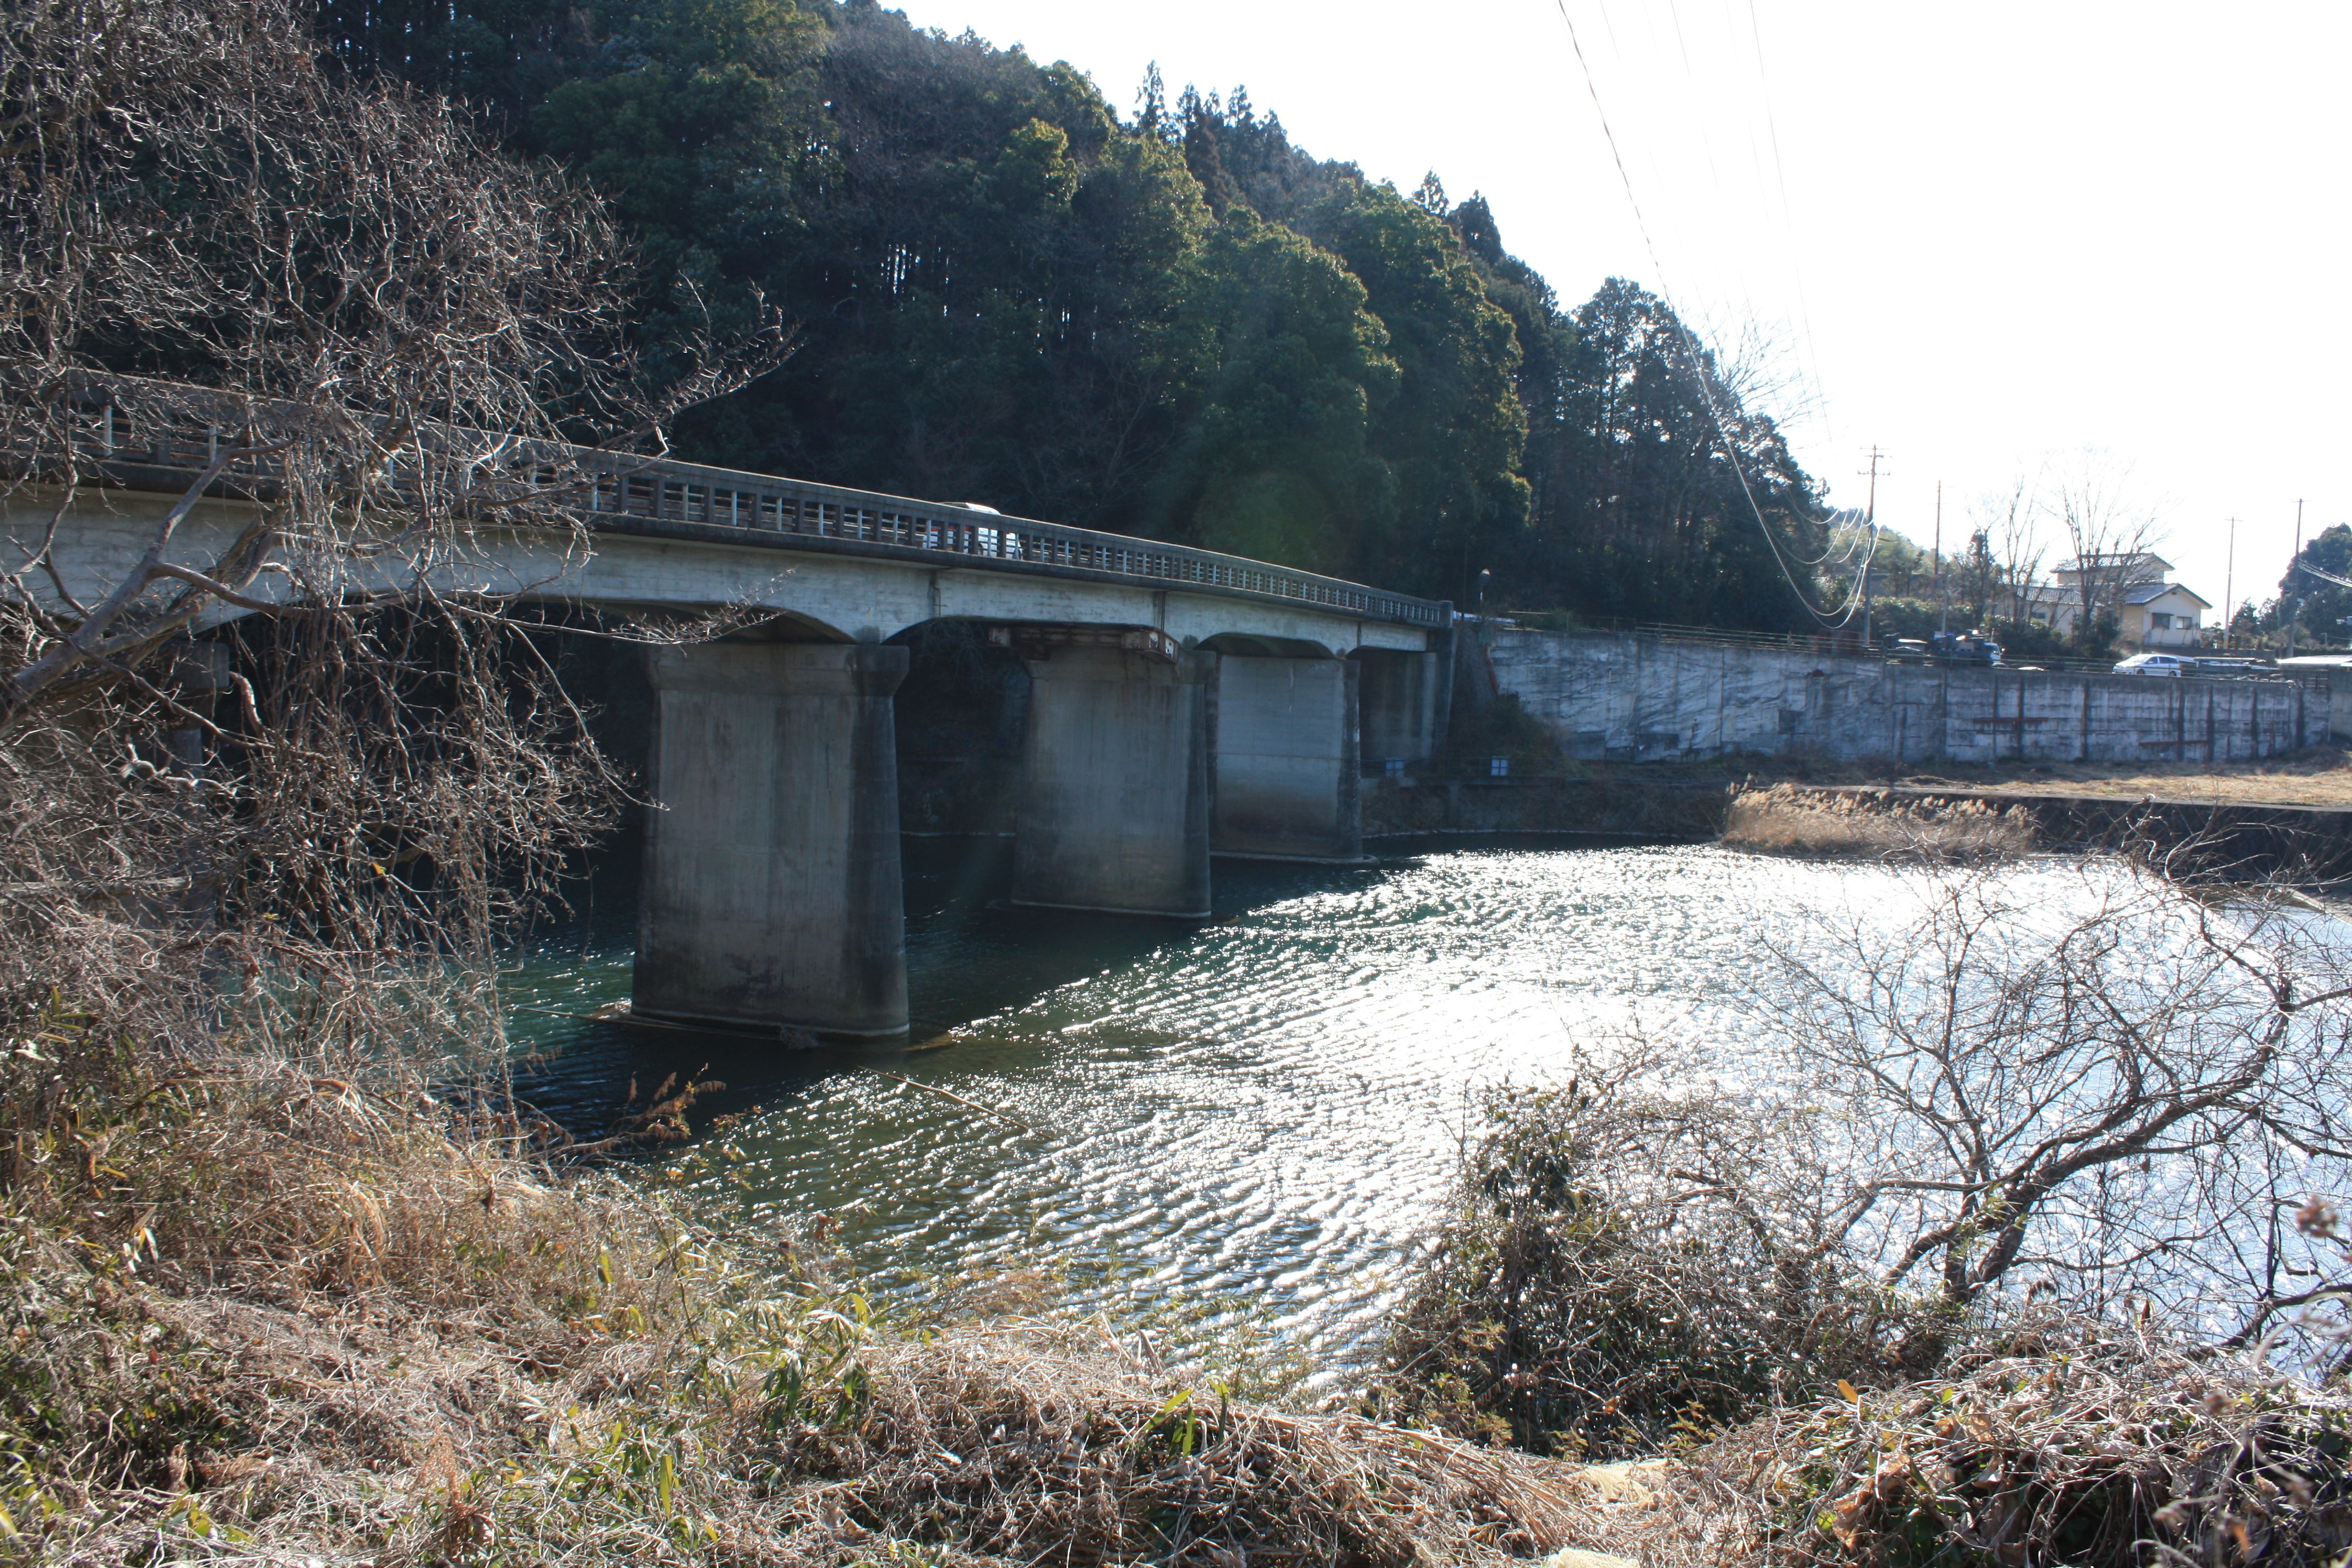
point(1178, 324)
point(2321, 609)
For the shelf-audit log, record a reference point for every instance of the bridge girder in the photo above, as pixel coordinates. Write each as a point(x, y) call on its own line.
point(833, 594)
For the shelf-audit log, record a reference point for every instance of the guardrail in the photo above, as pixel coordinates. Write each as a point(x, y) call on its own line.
point(617, 490)
point(1851, 647)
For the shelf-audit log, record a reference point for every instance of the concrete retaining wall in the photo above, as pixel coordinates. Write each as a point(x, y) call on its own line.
point(1619, 807)
point(1639, 697)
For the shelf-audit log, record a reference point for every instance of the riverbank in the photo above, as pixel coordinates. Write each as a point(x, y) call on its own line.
point(2319, 776)
point(251, 1314)
point(2245, 822)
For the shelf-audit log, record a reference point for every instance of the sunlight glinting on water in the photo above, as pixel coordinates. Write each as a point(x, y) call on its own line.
point(1264, 1112)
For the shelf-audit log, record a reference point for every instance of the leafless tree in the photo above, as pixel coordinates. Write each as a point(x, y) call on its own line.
point(295, 733)
point(2013, 537)
point(2093, 498)
point(2111, 1089)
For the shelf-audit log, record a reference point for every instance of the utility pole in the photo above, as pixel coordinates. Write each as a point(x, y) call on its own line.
point(1943, 600)
point(1869, 517)
point(2292, 561)
point(2230, 586)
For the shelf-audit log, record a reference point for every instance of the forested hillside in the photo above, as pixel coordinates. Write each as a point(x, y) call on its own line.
point(1174, 322)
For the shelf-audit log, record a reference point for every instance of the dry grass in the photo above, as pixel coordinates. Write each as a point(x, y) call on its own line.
point(250, 1314)
point(2319, 776)
point(1022, 1439)
point(1787, 819)
point(2123, 1457)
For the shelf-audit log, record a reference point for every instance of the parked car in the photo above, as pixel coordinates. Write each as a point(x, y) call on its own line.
point(1965, 647)
point(1907, 651)
point(2234, 668)
point(2167, 664)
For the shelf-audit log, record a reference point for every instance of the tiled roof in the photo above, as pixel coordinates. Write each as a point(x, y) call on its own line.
point(2146, 593)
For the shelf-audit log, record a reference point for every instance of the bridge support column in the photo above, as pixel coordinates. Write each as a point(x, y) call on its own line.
point(771, 892)
point(1286, 759)
point(1114, 810)
point(1399, 703)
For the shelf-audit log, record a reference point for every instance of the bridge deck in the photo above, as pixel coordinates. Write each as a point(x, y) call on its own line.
point(620, 492)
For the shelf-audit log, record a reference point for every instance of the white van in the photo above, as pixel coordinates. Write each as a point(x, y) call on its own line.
point(2155, 664)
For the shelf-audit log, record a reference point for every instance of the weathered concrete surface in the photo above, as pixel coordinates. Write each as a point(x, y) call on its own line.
point(1287, 763)
point(771, 892)
point(1114, 812)
point(1398, 704)
point(1617, 807)
point(1638, 697)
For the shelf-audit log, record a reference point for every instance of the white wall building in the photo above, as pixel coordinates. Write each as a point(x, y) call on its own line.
point(2151, 610)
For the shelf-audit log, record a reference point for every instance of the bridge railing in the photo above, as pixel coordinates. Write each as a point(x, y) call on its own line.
point(755, 504)
point(619, 490)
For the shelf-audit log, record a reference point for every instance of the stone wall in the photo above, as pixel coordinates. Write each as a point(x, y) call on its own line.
point(1640, 697)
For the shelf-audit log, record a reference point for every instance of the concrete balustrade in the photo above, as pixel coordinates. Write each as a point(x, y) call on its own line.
point(771, 892)
point(1286, 759)
point(1114, 812)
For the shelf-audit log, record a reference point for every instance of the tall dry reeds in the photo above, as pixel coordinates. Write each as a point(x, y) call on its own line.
point(1788, 820)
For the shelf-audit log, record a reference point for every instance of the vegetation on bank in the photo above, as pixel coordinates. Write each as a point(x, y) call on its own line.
point(284, 1274)
point(1785, 819)
point(266, 1306)
point(259, 1308)
point(2004, 1232)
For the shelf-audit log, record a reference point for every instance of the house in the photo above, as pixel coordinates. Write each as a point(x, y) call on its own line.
point(2125, 566)
point(2151, 611)
point(2161, 614)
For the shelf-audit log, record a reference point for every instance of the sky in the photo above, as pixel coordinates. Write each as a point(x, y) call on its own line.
point(1997, 242)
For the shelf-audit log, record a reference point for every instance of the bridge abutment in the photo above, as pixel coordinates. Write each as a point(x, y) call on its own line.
point(1114, 812)
point(1288, 762)
point(771, 892)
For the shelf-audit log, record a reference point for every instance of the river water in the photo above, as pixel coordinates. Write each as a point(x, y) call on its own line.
point(1261, 1111)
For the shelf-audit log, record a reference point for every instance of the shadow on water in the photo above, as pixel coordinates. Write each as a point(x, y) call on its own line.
point(970, 955)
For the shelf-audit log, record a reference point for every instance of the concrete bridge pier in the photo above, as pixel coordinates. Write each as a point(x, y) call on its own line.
point(1287, 768)
point(1401, 704)
point(1114, 810)
point(771, 892)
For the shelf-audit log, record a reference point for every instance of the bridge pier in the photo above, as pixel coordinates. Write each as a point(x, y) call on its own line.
point(1286, 759)
point(1401, 703)
point(771, 892)
point(1114, 812)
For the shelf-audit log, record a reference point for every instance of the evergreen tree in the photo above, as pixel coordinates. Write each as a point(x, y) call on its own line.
point(1181, 324)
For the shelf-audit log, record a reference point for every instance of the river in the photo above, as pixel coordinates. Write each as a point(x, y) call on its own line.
point(1260, 1114)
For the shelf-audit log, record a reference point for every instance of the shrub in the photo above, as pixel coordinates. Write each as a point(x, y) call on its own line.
point(2125, 1454)
point(1609, 1280)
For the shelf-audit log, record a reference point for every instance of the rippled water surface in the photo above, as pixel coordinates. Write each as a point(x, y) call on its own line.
point(1267, 1105)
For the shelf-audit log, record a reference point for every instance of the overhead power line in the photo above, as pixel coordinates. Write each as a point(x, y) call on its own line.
point(1831, 619)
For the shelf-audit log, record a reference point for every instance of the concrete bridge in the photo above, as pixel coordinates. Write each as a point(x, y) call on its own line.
point(1183, 704)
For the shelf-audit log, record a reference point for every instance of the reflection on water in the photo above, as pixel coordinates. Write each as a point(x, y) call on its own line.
point(1265, 1108)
